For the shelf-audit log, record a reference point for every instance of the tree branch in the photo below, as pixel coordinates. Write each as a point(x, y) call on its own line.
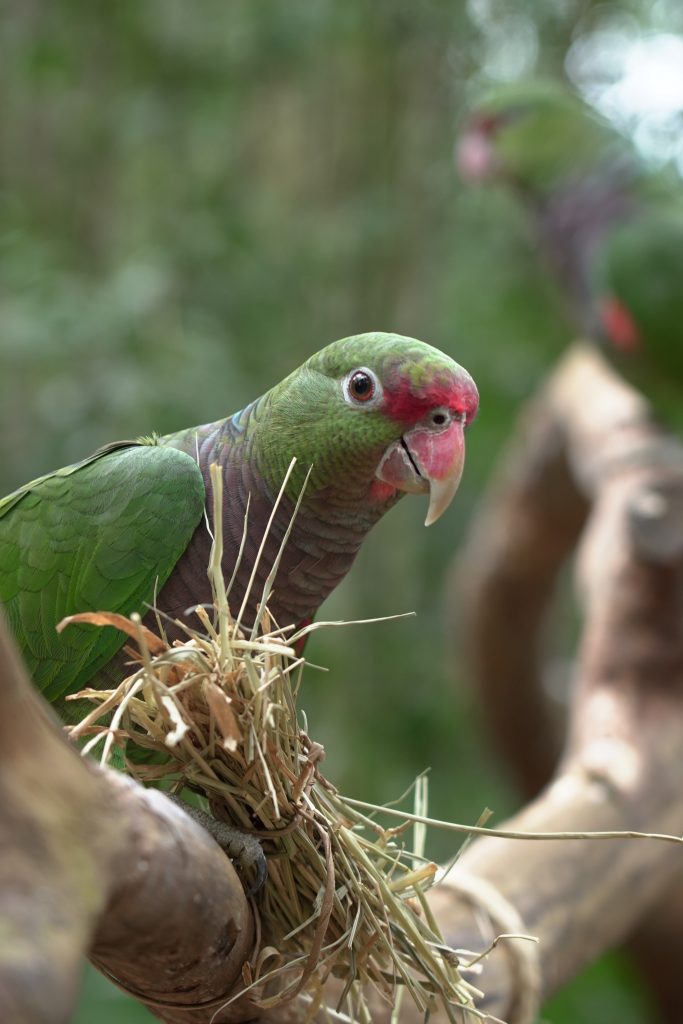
point(588, 437)
point(91, 861)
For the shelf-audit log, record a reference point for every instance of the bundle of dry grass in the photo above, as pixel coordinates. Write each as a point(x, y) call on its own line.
point(344, 896)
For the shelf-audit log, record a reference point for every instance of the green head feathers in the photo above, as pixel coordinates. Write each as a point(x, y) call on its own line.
point(347, 404)
point(534, 134)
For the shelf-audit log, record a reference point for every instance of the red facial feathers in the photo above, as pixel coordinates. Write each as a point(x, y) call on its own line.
point(407, 403)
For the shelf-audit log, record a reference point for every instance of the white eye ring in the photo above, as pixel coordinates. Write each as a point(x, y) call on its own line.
point(361, 375)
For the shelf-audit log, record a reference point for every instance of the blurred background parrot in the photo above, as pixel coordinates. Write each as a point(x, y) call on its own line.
point(374, 415)
point(609, 228)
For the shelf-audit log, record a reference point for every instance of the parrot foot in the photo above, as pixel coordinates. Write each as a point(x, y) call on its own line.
point(242, 848)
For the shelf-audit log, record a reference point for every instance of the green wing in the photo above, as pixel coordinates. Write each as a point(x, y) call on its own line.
point(102, 535)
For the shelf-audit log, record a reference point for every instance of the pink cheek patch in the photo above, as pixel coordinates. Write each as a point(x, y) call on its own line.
point(619, 325)
point(473, 158)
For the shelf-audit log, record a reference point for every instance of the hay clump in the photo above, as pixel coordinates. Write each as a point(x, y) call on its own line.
point(344, 896)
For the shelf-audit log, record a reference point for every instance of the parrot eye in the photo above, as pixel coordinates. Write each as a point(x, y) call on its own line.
point(361, 386)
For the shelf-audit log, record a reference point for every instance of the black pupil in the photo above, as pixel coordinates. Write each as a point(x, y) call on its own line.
point(361, 385)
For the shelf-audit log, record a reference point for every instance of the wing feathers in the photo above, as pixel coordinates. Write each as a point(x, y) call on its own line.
point(96, 536)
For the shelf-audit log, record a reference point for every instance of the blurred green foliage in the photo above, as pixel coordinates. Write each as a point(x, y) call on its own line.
point(193, 198)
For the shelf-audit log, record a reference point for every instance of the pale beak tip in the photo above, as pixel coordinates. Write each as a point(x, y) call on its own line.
point(431, 516)
point(441, 494)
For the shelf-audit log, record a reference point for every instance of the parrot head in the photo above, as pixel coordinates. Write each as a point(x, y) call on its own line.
point(533, 135)
point(375, 416)
point(638, 294)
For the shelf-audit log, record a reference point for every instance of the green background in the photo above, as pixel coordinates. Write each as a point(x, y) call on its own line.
point(195, 197)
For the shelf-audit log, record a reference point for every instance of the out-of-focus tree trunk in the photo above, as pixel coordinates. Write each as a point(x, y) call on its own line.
point(580, 442)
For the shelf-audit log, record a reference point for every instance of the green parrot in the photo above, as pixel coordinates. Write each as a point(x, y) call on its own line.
point(375, 416)
point(609, 228)
point(638, 278)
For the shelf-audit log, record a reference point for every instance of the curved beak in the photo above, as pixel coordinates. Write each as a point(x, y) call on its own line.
point(424, 461)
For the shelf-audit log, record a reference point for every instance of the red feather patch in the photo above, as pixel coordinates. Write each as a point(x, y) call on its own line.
point(409, 406)
point(619, 325)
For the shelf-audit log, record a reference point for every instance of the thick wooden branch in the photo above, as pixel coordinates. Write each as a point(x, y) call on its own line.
point(621, 771)
point(587, 439)
point(89, 861)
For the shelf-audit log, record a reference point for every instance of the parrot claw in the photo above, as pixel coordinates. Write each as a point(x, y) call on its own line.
point(242, 848)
